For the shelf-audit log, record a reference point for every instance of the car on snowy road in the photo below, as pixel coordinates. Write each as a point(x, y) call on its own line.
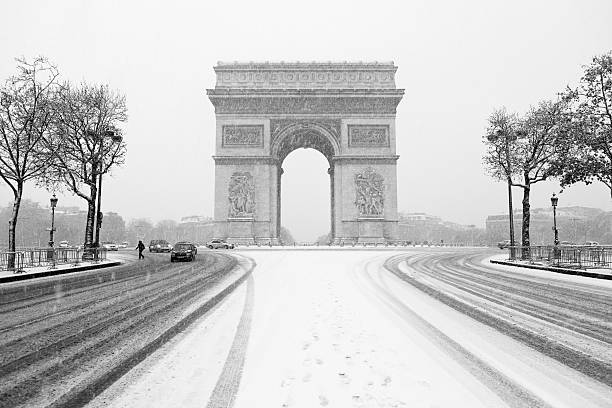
point(183, 251)
point(110, 246)
point(159, 245)
point(218, 244)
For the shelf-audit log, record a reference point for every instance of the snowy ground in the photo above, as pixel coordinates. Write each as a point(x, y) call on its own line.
point(334, 329)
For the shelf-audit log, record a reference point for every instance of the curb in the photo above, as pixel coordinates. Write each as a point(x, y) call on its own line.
point(555, 269)
point(53, 272)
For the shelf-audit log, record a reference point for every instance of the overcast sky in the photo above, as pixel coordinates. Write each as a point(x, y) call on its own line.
point(457, 60)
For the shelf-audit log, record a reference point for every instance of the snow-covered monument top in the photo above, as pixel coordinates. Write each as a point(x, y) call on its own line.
point(306, 75)
point(266, 110)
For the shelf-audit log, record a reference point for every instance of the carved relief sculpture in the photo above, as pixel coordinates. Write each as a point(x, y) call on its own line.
point(370, 190)
point(241, 195)
point(243, 135)
point(367, 135)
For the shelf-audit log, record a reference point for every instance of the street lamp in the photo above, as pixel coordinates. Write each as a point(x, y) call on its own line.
point(98, 162)
point(50, 252)
point(508, 137)
point(554, 200)
point(52, 229)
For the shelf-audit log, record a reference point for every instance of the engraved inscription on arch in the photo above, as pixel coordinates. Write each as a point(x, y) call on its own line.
point(368, 135)
point(242, 136)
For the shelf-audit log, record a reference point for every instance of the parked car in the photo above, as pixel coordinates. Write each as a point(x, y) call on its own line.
point(183, 251)
point(64, 244)
point(219, 243)
point(159, 245)
point(110, 246)
point(504, 244)
point(591, 243)
point(124, 244)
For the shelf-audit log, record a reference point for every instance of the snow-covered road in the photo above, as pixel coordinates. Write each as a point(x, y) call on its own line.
point(336, 329)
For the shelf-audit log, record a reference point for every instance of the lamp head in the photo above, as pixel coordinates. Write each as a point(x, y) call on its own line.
point(53, 201)
point(554, 200)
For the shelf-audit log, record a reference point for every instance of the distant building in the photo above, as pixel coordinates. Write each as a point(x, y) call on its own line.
point(196, 228)
point(421, 227)
point(575, 224)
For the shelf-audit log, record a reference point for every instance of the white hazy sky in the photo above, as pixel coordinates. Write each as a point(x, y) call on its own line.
point(457, 61)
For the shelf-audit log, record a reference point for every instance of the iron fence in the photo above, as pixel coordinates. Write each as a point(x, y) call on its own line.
point(565, 256)
point(24, 258)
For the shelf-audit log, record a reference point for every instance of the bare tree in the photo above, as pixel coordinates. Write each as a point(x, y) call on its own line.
point(589, 152)
point(25, 119)
point(527, 153)
point(86, 142)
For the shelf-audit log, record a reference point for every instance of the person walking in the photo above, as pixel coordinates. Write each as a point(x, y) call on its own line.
point(140, 248)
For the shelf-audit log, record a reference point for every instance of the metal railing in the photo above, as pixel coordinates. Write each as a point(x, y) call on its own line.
point(24, 258)
point(580, 257)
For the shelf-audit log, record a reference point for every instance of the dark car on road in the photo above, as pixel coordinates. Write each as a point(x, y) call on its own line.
point(183, 251)
point(159, 245)
point(219, 243)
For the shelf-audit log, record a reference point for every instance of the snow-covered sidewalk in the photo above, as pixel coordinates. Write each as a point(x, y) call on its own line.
point(48, 270)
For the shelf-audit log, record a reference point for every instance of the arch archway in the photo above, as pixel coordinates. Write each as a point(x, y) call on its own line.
point(344, 110)
point(307, 135)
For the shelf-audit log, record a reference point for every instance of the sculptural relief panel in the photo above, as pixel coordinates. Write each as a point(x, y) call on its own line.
point(370, 193)
point(242, 136)
point(368, 136)
point(241, 195)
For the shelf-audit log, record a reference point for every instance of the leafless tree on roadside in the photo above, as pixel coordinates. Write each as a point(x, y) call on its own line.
point(25, 121)
point(86, 142)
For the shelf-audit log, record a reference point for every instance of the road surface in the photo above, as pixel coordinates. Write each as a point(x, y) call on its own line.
point(65, 338)
point(416, 328)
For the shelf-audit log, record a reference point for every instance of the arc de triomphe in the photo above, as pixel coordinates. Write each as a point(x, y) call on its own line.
point(346, 111)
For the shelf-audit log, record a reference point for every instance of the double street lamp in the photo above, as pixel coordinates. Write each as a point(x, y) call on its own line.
point(98, 162)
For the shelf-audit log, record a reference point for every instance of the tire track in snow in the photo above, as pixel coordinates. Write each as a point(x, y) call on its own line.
point(224, 394)
point(509, 391)
point(574, 358)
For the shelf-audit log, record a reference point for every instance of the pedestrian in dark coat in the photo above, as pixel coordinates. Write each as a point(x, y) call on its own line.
point(140, 248)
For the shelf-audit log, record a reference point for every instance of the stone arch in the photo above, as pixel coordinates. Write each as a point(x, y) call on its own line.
point(346, 111)
point(301, 134)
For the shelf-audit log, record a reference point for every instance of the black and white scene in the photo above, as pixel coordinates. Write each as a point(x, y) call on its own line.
point(337, 204)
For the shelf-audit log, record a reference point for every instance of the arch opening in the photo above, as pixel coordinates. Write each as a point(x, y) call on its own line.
point(305, 199)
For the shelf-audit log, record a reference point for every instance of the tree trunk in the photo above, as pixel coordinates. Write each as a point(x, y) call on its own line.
point(12, 245)
point(91, 213)
point(526, 219)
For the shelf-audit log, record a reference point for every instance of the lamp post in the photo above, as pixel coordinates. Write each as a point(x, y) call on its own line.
point(508, 137)
point(53, 201)
point(50, 253)
point(98, 163)
point(554, 200)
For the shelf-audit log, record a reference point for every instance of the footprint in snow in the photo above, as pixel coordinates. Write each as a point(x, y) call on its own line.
point(307, 377)
point(323, 401)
